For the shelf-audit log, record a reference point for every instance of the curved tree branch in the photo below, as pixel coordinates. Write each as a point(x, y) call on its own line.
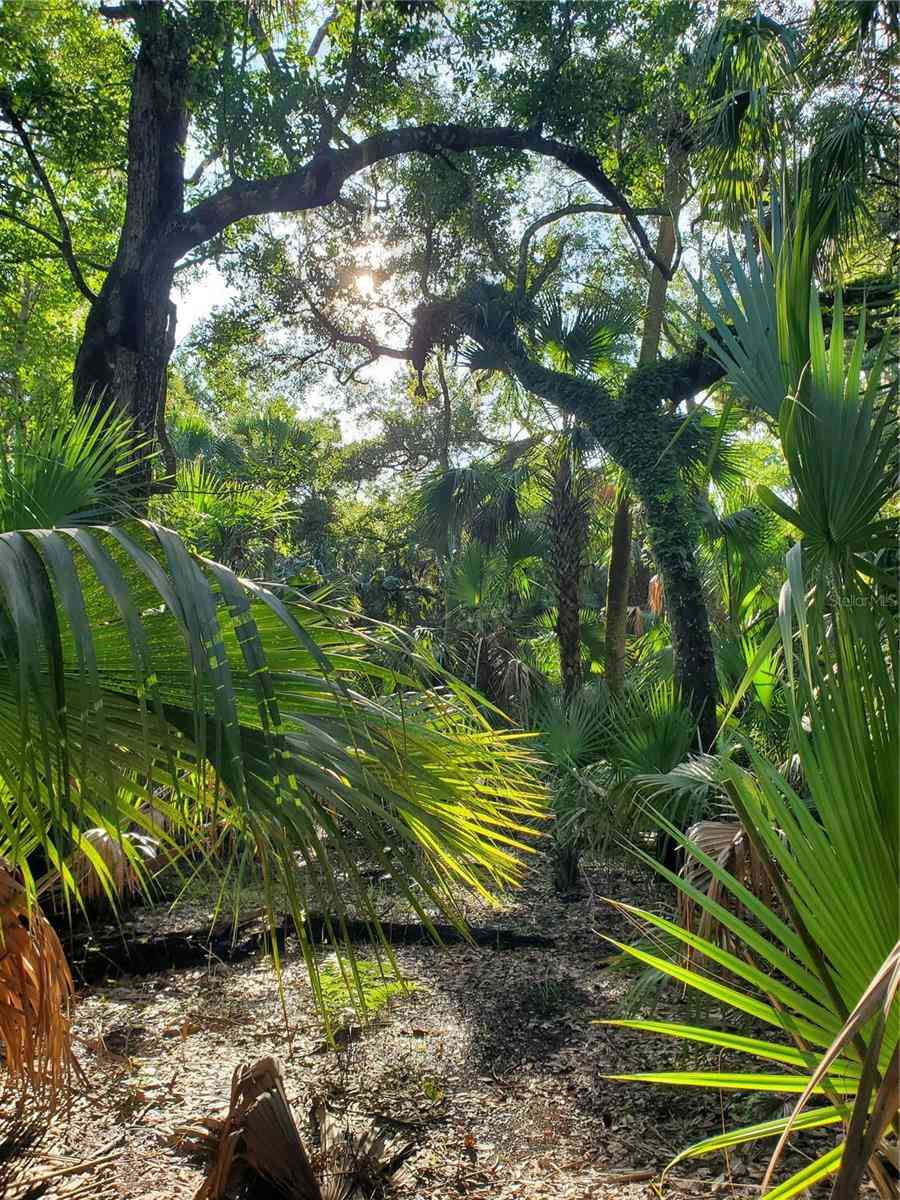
point(65, 238)
point(321, 33)
point(570, 210)
point(319, 181)
point(375, 348)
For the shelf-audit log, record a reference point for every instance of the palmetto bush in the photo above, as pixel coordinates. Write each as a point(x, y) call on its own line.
point(819, 965)
point(802, 966)
point(130, 669)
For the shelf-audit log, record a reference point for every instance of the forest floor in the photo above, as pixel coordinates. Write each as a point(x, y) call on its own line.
point(493, 1064)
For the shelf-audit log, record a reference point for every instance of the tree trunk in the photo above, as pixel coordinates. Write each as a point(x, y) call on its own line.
point(666, 241)
point(446, 418)
point(671, 524)
point(668, 510)
point(620, 556)
point(617, 592)
point(568, 532)
point(130, 329)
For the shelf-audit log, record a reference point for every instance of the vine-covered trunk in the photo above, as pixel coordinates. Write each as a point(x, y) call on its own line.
point(668, 505)
point(672, 536)
point(130, 330)
point(617, 592)
point(620, 555)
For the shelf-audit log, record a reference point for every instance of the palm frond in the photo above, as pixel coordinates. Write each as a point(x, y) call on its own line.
point(833, 862)
point(585, 337)
point(35, 989)
point(841, 447)
point(129, 662)
point(68, 473)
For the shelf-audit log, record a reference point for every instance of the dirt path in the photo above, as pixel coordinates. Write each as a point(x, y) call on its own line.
point(493, 1064)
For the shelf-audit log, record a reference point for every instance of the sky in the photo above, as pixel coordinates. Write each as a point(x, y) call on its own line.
point(197, 300)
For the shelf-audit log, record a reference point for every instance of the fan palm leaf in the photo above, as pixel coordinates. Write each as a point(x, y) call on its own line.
point(833, 862)
point(133, 672)
point(65, 472)
point(583, 338)
point(121, 636)
point(841, 447)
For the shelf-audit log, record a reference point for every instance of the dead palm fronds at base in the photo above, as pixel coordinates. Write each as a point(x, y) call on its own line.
point(35, 988)
point(258, 1136)
point(106, 865)
point(727, 844)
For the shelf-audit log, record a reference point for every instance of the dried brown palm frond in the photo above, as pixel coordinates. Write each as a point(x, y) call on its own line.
point(635, 619)
point(728, 845)
point(35, 988)
point(258, 1137)
point(516, 685)
point(119, 872)
point(358, 1165)
point(656, 600)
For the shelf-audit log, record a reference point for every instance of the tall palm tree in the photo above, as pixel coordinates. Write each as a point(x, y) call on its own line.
point(567, 523)
point(586, 339)
point(486, 502)
point(132, 670)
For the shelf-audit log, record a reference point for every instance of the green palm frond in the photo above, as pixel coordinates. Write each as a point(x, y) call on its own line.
point(190, 434)
point(647, 730)
point(571, 734)
point(448, 500)
point(741, 67)
point(473, 576)
point(844, 146)
point(225, 519)
point(71, 473)
point(690, 791)
point(585, 337)
point(126, 664)
point(835, 857)
point(744, 337)
point(841, 447)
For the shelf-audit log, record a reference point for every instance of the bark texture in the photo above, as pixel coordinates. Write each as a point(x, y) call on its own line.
point(620, 556)
point(130, 331)
point(567, 520)
point(617, 592)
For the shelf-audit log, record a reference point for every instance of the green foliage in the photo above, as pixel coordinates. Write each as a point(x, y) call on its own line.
point(741, 69)
point(840, 442)
point(805, 966)
point(358, 984)
point(836, 856)
point(583, 339)
point(65, 474)
point(230, 521)
point(131, 665)
point(838, 439)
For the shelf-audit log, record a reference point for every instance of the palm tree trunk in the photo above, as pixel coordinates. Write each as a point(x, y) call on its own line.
point(568, 532)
